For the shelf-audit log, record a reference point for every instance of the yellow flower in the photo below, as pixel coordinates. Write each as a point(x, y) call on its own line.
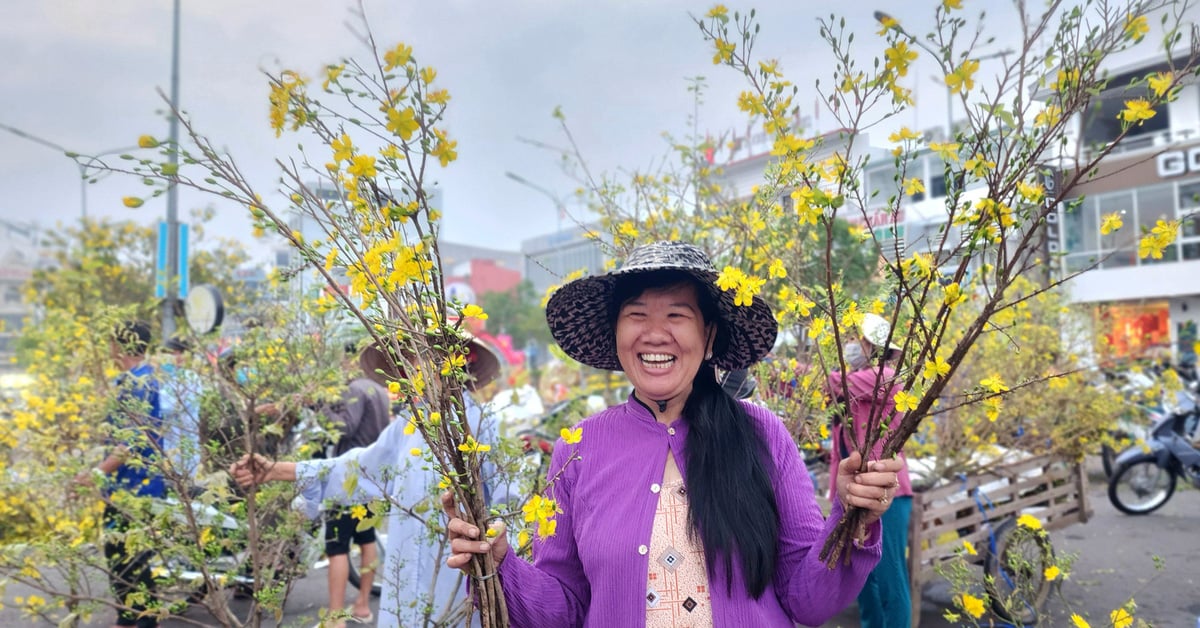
point(397, 56)
point(718, 11)
point(1032, 192)
point(627, 229)
point(898, 58)
point(888, 23)
point(410, 427)
point(147, 141)
point(1136, 28)
point(523, 538)
point(905, 402)
point(332, 72)
point(1048, 116)
point(415, 451)
point(994, 384)
point(936, 368)
point(729, 278)
point(474, 311)
point(991, 407)
point(777, 270)
point(1121, 618)
point(1029, 521)
point(1137, 110)
point(962, 80)
point(342, 147)
point(951, 4)
point(547, 527)
point(1052, 572)
point(1079, 621)
point(571, 436)
point(724, 51)
point(428, 74)
point(903, 134)
point(970, 548)
point(362, 166)
point(1159, 83)
point(394, 388)
point(971, 604)
point(132, 202)
point(979, 165)
point(473, 446)
point(402, 123)
point(914, 186)
point(948, 151)
point(358, 511)
point(1111, 223)
point(954, 295)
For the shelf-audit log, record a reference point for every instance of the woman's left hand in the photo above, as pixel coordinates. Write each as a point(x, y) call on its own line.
point(871, 490)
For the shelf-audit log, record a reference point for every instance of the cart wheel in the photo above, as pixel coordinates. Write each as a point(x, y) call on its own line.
point(1015, 571)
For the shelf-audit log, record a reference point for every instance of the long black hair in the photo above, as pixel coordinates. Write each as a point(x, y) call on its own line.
point(732, 507)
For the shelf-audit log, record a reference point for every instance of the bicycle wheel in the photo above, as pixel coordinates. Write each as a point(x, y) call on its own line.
point(356, 559)
point(1140, 488)
point(1017, 583)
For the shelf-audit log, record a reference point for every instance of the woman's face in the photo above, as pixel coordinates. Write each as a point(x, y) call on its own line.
point(661, 341)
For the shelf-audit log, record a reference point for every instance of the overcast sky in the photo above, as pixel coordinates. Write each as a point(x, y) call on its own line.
point(83, 75)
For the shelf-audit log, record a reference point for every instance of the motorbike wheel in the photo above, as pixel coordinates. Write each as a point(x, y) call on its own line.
point(1140, 488)
point(1016, 582)
point(356, 560)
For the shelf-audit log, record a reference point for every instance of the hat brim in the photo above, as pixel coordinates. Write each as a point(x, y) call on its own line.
point(483, 365)
point(577, 314)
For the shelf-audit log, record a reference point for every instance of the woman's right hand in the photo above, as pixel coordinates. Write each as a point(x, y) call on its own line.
point(464, 537)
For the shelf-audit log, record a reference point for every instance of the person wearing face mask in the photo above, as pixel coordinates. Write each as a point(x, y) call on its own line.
point(872, 384)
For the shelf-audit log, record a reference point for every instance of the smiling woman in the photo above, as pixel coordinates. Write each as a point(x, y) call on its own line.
point(702, 498)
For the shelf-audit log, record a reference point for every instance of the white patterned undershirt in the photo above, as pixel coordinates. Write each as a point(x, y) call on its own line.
point(677, 584)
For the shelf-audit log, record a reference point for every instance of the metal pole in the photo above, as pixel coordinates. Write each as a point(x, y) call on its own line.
point(168, 305)
point(558, 205)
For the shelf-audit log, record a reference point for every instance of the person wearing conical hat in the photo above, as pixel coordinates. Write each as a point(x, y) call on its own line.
point(681, 506)
point(387, 469)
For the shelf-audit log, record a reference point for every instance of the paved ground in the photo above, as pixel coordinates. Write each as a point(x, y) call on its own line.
point(1115, 561)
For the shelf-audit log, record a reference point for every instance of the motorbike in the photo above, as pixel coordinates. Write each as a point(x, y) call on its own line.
point(1144, 476)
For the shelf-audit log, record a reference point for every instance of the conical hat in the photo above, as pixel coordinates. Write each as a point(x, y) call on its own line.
point(483, 365)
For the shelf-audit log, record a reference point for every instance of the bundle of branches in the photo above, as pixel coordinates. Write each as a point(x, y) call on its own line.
point(1009, 169)
point(369, 230)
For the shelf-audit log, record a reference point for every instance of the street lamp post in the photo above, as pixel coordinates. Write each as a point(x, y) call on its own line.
point(558, 204)
point(82, 165)
point(168, 305)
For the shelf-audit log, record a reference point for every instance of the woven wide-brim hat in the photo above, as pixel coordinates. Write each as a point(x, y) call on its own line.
point(578, 312)
point(483, 364)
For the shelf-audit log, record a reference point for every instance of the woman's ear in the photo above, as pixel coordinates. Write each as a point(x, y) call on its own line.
point(712, 340)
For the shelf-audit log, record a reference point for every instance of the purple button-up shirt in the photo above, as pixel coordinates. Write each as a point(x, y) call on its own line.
point(593, 571)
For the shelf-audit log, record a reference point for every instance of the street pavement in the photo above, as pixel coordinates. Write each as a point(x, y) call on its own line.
point(1114, 561)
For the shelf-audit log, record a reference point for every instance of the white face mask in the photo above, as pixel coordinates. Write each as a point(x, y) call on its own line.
point(854, 356)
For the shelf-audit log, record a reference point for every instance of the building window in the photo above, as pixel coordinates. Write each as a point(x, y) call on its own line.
point(1154, 204)
point(1081, 228)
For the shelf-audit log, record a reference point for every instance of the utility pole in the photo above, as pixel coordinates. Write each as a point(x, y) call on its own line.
point(172, 265)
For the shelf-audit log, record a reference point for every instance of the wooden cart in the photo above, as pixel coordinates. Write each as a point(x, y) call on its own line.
point(983, 509)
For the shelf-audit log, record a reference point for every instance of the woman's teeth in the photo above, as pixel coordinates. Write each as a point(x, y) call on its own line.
point(657, 360)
